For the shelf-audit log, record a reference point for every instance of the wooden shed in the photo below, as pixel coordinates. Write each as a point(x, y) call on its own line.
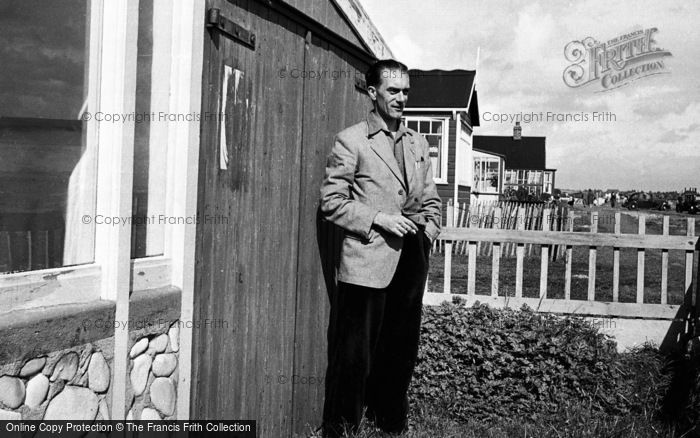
point(291, 69)
point(175, 247)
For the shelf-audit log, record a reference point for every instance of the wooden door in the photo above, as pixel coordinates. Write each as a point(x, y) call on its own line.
point(246, 267)
point(259, 277)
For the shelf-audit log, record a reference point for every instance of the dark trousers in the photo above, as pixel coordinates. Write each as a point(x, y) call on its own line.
point(373, 345)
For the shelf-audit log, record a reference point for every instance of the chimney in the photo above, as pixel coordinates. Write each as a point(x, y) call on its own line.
point(517, 131)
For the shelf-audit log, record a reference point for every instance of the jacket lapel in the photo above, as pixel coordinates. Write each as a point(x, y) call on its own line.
point(409, 153)
point(387, 157)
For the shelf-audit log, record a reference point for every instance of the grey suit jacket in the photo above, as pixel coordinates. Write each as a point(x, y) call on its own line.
point(363, 178)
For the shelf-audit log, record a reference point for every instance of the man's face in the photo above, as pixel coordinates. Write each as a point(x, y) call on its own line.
point(391, 94)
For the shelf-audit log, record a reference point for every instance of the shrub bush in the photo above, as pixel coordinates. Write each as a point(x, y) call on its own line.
point(479, 363)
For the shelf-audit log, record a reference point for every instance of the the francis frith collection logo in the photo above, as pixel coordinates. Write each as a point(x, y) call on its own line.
point(616, 62)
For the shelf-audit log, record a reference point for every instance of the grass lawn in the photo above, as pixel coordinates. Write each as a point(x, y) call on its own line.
point(579, 269)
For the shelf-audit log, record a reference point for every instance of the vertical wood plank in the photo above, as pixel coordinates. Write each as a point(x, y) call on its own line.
point(479, 216)
point(616, 261)
point(447, 281)
point(544, 263)
point(689, 258)
point(592, 257)
point(520, 253)
point(496, 255)
point(513, 225)
point(471, 279)
point(640, 261)
point(29, 250)
point(664, 264)
point(460, 217)
point(569, 259)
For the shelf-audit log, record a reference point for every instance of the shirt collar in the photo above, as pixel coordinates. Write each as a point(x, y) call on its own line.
point(375, 124)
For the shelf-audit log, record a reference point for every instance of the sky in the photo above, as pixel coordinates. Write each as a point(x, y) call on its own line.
point(648, 135)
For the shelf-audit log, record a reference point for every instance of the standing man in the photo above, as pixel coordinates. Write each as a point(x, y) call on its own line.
point(379, 188)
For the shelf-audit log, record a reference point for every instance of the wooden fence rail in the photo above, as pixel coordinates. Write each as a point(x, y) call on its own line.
point(593, 240)
point(505, 215)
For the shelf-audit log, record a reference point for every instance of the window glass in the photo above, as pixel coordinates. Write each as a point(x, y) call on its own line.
point(432, 131)
point(150, 136)
point(492, 176)
point(47, 164)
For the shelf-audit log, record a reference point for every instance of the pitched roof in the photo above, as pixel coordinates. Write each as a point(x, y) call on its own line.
point(443, 89)
point(526, 153)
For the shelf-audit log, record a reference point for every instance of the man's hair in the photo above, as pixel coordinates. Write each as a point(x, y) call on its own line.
point(373, 77)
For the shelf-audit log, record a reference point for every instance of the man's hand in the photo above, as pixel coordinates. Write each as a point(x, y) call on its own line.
point(395, 223)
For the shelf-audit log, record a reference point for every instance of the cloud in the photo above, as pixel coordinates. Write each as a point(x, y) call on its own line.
point(406, 50)
point(652, 140)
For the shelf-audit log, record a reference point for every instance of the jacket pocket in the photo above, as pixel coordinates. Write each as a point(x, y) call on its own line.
point(354, 236)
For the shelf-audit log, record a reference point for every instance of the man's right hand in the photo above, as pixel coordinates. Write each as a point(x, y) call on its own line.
point(395, 224)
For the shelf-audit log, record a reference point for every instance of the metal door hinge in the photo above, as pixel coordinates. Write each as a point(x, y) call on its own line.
point(223, 24)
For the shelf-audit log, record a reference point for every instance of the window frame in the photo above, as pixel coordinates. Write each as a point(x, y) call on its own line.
point(481, 185)
point(111, 73)
point(113, 275)
point(445, 137)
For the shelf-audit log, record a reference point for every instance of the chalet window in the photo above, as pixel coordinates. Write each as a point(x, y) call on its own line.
point(486, 174)
point(435, 131)
point(47, 144)
point(534, 177)
point(548, 182)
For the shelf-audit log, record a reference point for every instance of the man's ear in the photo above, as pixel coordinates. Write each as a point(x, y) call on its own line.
point(372, 92)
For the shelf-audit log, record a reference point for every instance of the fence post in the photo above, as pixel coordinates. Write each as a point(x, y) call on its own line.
point(640, 261)
point(446, 288)
point(664, 264)
point(689, 261)
point(592, 256)
point(496, 255)
point(544, 263)
point(569, 257)
point(520, 253)
point(616, 260)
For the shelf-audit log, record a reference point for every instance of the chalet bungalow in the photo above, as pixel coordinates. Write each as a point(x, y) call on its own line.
point(443, 107)
point(160, 163)
point(523, 158)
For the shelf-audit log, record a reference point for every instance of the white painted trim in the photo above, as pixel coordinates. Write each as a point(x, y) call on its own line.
point(188, 52)
point(150, 273)
point(159, 145)
point(468, 139)
point(562, 306)
point(446, 152)
point(115, 174)
point(360, 21)
point(49, 287)
point(458, 129)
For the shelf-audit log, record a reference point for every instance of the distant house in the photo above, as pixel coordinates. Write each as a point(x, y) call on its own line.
point(488, 175)
point(443, 106)
point(525, 161)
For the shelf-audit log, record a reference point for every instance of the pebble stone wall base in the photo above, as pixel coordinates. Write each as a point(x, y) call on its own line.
point(75, 384)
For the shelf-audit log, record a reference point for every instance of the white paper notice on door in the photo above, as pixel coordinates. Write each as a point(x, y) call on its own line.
point(223, 149)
